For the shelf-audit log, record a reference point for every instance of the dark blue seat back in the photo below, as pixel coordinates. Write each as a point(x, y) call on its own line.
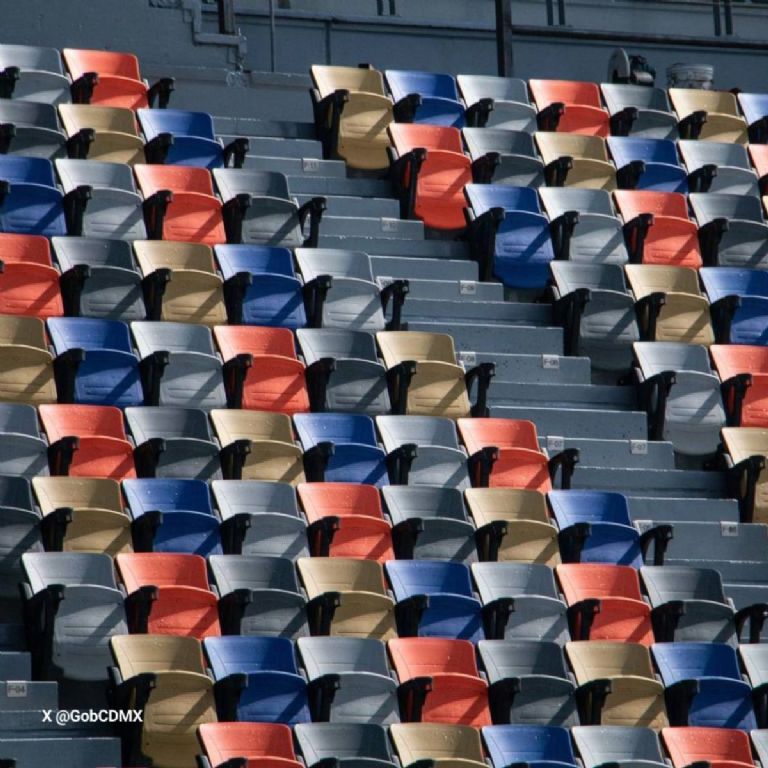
point(178, 122)
point(340, 428)
point(427, 577)
point(531, 744)
point(274, 301)
point(440, 103)
point(17, 169)
point(691, 661)
point(255, 259)
point(89, 334)
point(571, 507)
point(167, 495)
point(31, 209)
point(483, 197)
point(733, 281)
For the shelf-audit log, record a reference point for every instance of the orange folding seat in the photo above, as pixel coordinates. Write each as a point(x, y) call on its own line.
point(430, 174)
point(87, 441)
point(346, 520)
point(744, 373)
point(190, 213)
point(439, 681)
point(261, 745)
point(261, 371)
point(715, 747)
point(605, 603)
point(29, 284)
point(505, 453)
point(570, 106)
point(657, 228)
point(169, 594)
point(112, 79)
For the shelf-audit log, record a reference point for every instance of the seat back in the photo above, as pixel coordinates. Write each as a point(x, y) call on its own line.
point(476, 87)
point(341, 428)
point(160, 569)
point(425, 577)
point(583, 581)
point(409, 136)
point(397, 346)
point(177, 122)
point(502, 433)
point(554, 145)
point(597, 659)
point(43, 569)
point(140, 654)
point(699, 153)
point(572, 507)
point(339, 574)
point(483, 197)
point(79, 61)
point(75, 117)
point(546, 92)
point(424, 656)
point(328, 79)
point(688, 100)
point(235, 340)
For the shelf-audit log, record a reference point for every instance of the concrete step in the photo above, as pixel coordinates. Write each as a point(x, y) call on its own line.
point(467, 309)
point(392, 229)
point(652, 482)
point(591, 396)
point(424, 293)
point(506, 339)
point(367, 207)
point(681, 509)
point(263, 146)
point(531, 369)
point(632, 454)
point(381, 246)
point(317, 185)
point(292, 166)
point(279, 129)
point(414, 268)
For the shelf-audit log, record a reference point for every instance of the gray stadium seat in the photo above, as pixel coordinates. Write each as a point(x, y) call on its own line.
point(518, 165)
point(429, 523)
point(732, 172)
point(511, 106)
point(22, 450)
point(260, 595)
point(348, 745)
point(349, 680)
point(40, 74)
point(33, 130)
point(651, 114)
point(623, 746)
point(173, 442)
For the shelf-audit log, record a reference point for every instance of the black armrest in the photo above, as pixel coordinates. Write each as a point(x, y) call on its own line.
point(501, 698)
point(404, 536)
point(320, 612)
point(734, 391)
point(568, 311)
point(321, 692)
point(561, 229)
point(484, 167)
point(233, 213)
point(481, 232)
point(397, 290)
point(153, 288)
point(556, 172)
point(660, 536)
point(8, 79)
point(496, 616)
point(232, 609)
point(156, 149)
point(621, 122)
point(710, 235)
point(227, 692)
point(571, 540)
point(488, 539)
point(7, 135)
point(233, 532)
point(742, 481)
point(399, 380)
point(722, 312)
point(665, 618)
point(155, 208)
point(75, 203)
point(65, 368)
point(566, 461)
point(690, 126)
point(134, 692)
point(79, 144)
point(678, 698)
point(40, 610)
point(328, 113)
point(233, 458)
point(235, 371)
point(635, 232)
point(61, 453)
point(411, 696)
point(236, 150)
point(143, 530)
point(628, 177)
point(590, 700)
point(315, 293)
point(138, 606)
point(482, 373)
point(235, 289)
point(399, 463)
point(316, 460)
point(405, 109)
point(758, 131)
point(151, 369)
point(701, 179)
point(756, 615)
point(652, 395)
point(81, 89)
point(408, 614)
point(318, 375)
point(481, 465)
point(647, 310)
point(161, 91)
point(313, 209)
point(404, 173)
point(71, 284)
point(320, 535)
point(53, 528)
point(146, 456)
point(477, 114)
point(581, 615)
point(549, 117)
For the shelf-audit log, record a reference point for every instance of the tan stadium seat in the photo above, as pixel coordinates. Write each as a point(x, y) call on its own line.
point(352, 112)
point(186, 288)
point(364, 609)
point(180, 700)
point(26, 366)
point(589, 168)
point(445, 746)
point(636, 698)
point(115, 134)
point(723, 121)
point(437, 388)
point(514, 525)
point(272, 455)
point(684, 315)
point(88, 514)
point(748, 478)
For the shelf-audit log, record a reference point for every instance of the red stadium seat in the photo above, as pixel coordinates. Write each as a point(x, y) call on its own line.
point(440, 682)
point(605, 603)
point(262, 745)
point(29, 284)
point(718, 747)
point(570, 106)
point(87, 441)
point(182, 603)
point(744, 372)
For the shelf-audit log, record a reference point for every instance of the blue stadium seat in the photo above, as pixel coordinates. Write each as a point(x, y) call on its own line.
point(535, 746)
point(425, 97)
point(435, 599)
point(509, 235)
point(738, 304)
point(95, 363)
point(172, 516)
point(645, 163)
point(341, 448)
point(30, 203)
point(704, 685)
point(257, 680)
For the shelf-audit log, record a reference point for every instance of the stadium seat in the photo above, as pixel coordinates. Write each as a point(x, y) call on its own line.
point(444, 744)
point(260, 595)
point(570, 106)
point(529, 682)
point(624, 746)
point(31, 129)
point(109, 134)
point(164, 677)
point(26, 367)
point(73, 608)
point(99, 279)
point(732, 230)
point(100, 200)
point(650, 164)
point(605, 603)
point(718, 167)
point(343, 371)
point(95, 363)
point(538, 746)
point(23, 452)
point(573, 160)
point(425, 379)
point(179, 365)
point(260, 518)
point(434, 599)
point(259, 209)
point(639, 110)
point(347, 597)
point(758, 156)
point(33, 73)
point(346, 520)
point(521, 602)
point(87, 441)
point(168, 594)
point(513, 524)
point(429, 173)
point(704, 686)
point(352, 111)
point(265, 744)
point(425, 97)
point(179, 137)
point(497, 102)
point(670, 304)
point(439, 682)
point(681, 395)
point(709, 115)
point(349, 680)
point(30, 202)
point(180, 282)
point(257, 680)
point(746, 448)
point(742, 370)
point(173, 516)
point(348, 744)
point(83, 515)
point(112, 79)
point(509, 235)
point(739, 304)
point(429, 523)
point(594, 307)
point(755, 664)
point(690, 604)
point(723, 747)
point(517, 164)
point(173, 442)
point(617, 685)
point(754, 108)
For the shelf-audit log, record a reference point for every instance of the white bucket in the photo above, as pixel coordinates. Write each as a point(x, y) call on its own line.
point(700, 76)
